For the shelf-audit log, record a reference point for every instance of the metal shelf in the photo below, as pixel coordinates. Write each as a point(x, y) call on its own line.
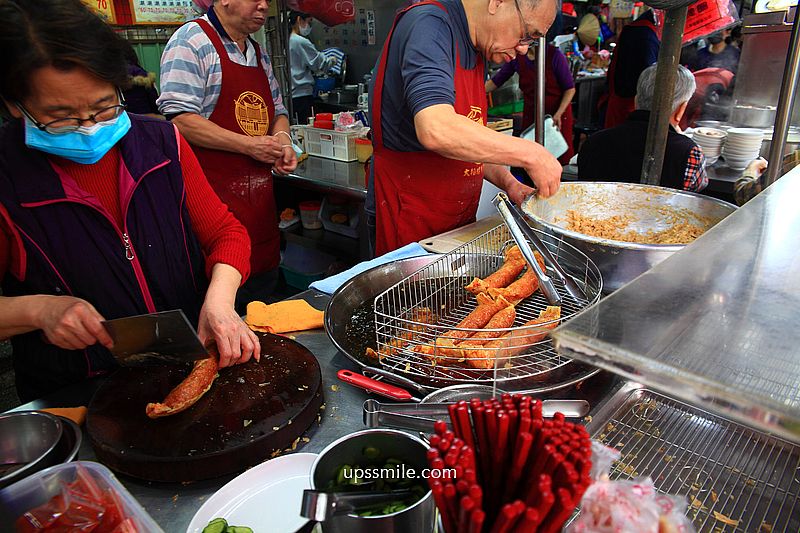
point(716, 324)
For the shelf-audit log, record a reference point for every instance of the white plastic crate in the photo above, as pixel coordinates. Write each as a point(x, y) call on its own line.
point(331, 144)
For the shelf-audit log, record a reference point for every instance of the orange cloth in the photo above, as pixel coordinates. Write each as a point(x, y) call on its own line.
point(291, 315)
point(76, 414)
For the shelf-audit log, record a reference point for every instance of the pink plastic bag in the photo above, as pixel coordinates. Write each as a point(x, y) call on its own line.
point(630, 507)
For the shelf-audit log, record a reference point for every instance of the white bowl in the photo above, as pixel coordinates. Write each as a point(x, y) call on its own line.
point(739, 155)
point(743, 141)
point(711, 160)
point(702, 142)
point(737, 163)
point(710, 133)
point(745, 132)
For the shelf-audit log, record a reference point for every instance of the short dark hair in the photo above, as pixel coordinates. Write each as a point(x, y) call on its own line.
point(63, 34)
point(294, 14)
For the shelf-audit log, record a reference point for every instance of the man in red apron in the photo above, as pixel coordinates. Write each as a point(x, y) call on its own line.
point(637, 48)
point(219, 89)
point(432, 150)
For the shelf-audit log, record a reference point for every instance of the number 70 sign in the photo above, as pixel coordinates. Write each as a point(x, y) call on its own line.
point(103, 8)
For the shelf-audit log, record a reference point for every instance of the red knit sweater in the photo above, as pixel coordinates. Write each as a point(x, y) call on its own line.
point(222, 237)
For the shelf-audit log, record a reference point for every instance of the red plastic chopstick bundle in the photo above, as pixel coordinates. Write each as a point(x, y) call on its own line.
point(503, 468)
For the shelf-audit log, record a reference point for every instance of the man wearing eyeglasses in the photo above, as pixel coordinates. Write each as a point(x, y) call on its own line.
point(428, 105)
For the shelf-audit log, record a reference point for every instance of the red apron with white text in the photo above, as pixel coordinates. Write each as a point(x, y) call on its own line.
point(552, 99)
point(619, 107)
point(421, 194)
point(244, 106)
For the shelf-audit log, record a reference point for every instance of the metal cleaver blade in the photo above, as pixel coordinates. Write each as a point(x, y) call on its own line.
point(156, 338)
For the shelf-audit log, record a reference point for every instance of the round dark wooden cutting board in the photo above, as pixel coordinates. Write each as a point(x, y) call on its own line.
point(251, 411)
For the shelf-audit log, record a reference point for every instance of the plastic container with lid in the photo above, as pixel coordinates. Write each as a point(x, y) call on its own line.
point(309, 214)
point(323, 124)
point(363, 149)
point(43, 486)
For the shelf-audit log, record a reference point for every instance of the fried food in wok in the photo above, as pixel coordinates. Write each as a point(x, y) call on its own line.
point(523, 287)
point(503, 276)
point(419, 317)
point(513, 343)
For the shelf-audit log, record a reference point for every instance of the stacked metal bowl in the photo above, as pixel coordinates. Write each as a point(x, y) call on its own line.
point(31, 441)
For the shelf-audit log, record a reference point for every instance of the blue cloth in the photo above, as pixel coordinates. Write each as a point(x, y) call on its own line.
point(331, 284)
point(336, 56)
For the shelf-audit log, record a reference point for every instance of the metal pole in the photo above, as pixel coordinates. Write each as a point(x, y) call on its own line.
point(783, 114)
point(666, 74)
point(283, 33)
point(539, 117)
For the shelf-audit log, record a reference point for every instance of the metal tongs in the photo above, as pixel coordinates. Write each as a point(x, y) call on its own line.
point(522, 233)
point(421, 417)
point(320, 506)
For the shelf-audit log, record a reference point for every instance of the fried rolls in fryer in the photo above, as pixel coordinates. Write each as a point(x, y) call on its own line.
point(503, 276)
point(514, 342)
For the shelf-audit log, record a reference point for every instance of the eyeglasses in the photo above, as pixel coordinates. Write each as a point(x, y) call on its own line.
point(70, 124)
point(527, 39)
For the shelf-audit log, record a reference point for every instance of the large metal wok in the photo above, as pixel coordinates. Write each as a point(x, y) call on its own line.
point(350, 324)
point(651, 208)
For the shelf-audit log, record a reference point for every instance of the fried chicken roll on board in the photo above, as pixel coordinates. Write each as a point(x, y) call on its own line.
point(191, 389)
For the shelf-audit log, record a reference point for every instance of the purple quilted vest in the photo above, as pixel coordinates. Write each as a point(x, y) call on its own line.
point(72, 247)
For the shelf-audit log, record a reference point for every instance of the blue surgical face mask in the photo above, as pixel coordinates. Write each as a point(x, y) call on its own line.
point(305, 31)
point(86, 145)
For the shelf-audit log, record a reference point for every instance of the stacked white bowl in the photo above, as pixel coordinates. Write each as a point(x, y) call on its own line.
point(710, 140)
point(742, 146)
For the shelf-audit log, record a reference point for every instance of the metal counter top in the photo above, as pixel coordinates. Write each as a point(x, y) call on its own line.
point(329, 175)
point(173, 505)
point(716, 324)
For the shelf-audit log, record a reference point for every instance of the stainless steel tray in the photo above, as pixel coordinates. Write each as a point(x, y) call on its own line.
point(720, 466)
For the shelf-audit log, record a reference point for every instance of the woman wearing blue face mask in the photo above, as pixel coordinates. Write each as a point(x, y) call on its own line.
point(305, 61)
point(103, 214)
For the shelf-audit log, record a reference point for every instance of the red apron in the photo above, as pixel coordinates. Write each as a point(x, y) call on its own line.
point(552, 98)
point(420, 194)
point(245, 106)
point(619, 107)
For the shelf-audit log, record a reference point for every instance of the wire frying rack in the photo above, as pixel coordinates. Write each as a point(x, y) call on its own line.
point(413, 316)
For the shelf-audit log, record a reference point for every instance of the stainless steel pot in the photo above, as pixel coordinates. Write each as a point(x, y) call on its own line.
point(349, 450)
point(619, 262)
point(753, 116)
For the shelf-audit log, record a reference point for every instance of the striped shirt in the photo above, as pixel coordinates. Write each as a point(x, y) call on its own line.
point(191, 72)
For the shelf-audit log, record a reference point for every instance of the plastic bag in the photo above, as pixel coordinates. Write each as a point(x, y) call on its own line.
point(630, 507)
point(553, 139)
